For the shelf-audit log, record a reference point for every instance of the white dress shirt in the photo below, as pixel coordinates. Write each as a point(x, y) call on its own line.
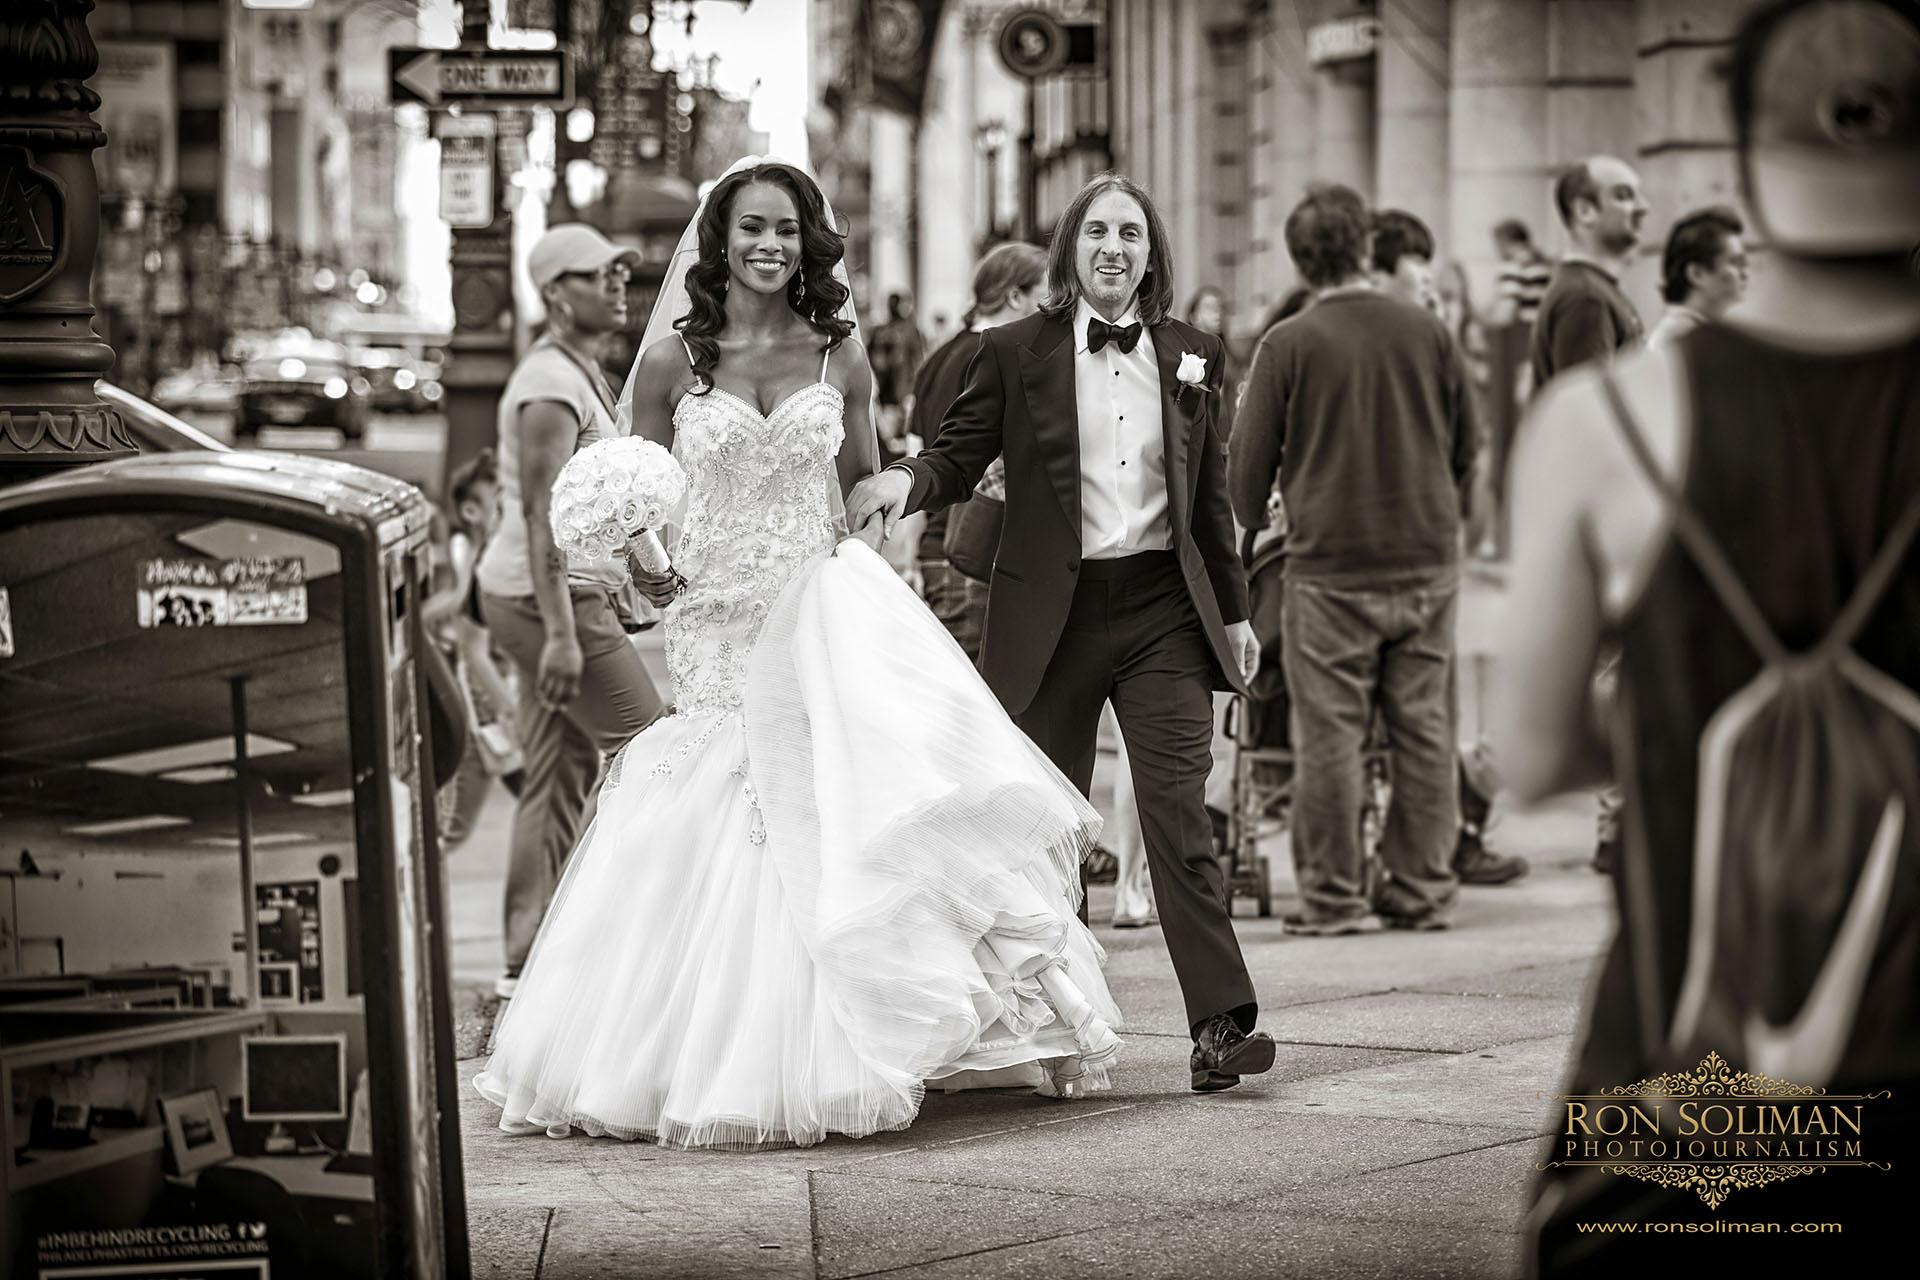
point(1123, 454)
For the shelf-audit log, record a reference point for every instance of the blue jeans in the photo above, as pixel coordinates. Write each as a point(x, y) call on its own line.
point(1349, 645)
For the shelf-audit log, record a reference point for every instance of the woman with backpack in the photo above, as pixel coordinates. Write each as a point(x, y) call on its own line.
point(1740, 511)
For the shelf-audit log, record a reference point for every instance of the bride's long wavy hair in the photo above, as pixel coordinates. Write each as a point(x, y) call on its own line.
point(814, 293)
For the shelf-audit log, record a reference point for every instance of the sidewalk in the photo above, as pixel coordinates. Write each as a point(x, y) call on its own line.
point(1394, 1137)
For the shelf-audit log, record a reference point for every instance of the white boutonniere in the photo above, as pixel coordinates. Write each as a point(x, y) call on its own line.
point(1192, 374)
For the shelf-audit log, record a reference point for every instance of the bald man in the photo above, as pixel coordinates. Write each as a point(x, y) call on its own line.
point(1584, 315)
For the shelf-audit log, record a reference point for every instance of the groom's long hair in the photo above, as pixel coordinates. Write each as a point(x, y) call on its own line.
point(1155, 299)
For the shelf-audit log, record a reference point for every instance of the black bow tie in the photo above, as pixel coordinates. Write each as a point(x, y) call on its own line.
point(1099, 333)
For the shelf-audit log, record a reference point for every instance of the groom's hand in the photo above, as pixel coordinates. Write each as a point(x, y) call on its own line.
point(883, 495)
point(1245, 647)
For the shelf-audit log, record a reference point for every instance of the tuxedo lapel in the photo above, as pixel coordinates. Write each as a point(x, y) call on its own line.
point(1047, 376)
point(1176, 424)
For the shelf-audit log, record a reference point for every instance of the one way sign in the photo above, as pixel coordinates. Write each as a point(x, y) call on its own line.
point(481, 77)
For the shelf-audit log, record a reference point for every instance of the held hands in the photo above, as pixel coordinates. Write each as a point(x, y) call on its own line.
point(1245, 647)
point(883, 495)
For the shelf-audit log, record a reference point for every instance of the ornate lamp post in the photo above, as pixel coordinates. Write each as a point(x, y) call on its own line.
point(50, 417)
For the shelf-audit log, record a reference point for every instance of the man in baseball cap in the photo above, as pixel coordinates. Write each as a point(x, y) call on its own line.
point(1826, 102)
point(574, 248)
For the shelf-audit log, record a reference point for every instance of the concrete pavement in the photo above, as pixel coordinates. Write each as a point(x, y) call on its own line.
point(1394, 1137)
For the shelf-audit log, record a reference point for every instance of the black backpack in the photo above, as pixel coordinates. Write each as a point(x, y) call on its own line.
point(1806, 915)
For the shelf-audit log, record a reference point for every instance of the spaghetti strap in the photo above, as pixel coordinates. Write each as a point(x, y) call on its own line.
point(684, 347)
point(826, 356)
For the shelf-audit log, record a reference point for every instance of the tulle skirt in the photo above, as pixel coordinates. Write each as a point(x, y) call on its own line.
point(788, 918)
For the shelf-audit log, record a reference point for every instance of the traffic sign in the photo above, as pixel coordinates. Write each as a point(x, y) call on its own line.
point(466, 171)
point(481, 77)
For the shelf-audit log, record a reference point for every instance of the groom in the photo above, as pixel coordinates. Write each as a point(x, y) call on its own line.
point(1116, 577)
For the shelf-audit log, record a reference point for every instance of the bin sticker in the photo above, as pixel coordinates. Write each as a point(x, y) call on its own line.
point(6, 624)
point(204, 592)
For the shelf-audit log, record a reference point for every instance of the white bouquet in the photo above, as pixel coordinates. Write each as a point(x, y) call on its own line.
point(612, 496)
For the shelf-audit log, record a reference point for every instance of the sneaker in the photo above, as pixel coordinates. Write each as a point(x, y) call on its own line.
point(1338, 927)
point(1474, 863)
point(1425, 922)
point(505, 985)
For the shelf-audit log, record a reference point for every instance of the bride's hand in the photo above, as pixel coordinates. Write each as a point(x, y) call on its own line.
point(657, 589)
point(873, 533)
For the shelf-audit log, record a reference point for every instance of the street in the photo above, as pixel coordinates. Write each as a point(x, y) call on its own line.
point(1394, 1137)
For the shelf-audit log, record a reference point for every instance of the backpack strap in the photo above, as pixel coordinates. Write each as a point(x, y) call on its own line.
point(1874, 582)
point(1713, 564)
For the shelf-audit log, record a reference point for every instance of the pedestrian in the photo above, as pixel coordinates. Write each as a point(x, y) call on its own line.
point(898, 350)
point(1585, 316)
point(837, 872)
point(1715, 503)
point(1006, 286)
point(1209, 310)
point(583, 689)
point(1117, 578)
point(1523, 276)
point(452, 614)
point(1360, 407)
point(1401, 258)
point(1703, 272)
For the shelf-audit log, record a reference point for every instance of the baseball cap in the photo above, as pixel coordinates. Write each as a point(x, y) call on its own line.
point(1826, 101)
point(573, 246)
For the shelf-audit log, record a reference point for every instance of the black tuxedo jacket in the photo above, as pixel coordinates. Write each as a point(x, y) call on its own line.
point(1019, 400)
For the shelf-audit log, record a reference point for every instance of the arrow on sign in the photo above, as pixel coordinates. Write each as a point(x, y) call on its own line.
point(481, 78)
point(421, 77)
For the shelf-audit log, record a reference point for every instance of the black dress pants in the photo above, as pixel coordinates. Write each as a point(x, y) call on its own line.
point(1132, 637)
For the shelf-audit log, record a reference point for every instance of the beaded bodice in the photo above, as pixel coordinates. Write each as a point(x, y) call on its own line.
point(759, 506)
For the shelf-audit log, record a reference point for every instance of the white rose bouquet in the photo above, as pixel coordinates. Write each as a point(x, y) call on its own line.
point(612, 497)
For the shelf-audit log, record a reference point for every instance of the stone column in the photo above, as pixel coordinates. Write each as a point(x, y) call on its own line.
point(1343, 124)
point(1279, 150)
point(1683, 132)
point(1412, 159)
point(1497, 130)
point(50, 417)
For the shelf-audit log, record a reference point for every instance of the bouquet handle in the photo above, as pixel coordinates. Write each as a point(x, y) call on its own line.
point(645, 554)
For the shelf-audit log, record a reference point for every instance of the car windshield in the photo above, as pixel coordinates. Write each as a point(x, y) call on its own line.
point(293, 368)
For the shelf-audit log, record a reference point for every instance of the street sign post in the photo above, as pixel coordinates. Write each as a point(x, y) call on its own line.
point(466, 170)
point(481, 78)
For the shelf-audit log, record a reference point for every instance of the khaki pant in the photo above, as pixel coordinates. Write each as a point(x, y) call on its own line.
point(564, 749)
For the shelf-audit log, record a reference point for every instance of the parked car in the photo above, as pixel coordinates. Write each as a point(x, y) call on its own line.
point(206, 387)
point(153, 428)
point(401, 383)
point(306, 386)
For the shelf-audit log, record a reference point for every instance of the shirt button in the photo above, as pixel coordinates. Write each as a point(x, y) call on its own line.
point(1072, 565)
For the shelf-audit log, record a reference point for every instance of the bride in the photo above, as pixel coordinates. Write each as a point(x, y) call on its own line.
point(838, 872)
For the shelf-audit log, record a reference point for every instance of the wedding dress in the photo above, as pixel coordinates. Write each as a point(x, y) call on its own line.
point(835, 874)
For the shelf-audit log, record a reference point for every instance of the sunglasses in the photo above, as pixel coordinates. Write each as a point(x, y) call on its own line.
point(613, 275)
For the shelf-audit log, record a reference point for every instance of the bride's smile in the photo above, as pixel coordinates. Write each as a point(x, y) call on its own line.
point(763, 242)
